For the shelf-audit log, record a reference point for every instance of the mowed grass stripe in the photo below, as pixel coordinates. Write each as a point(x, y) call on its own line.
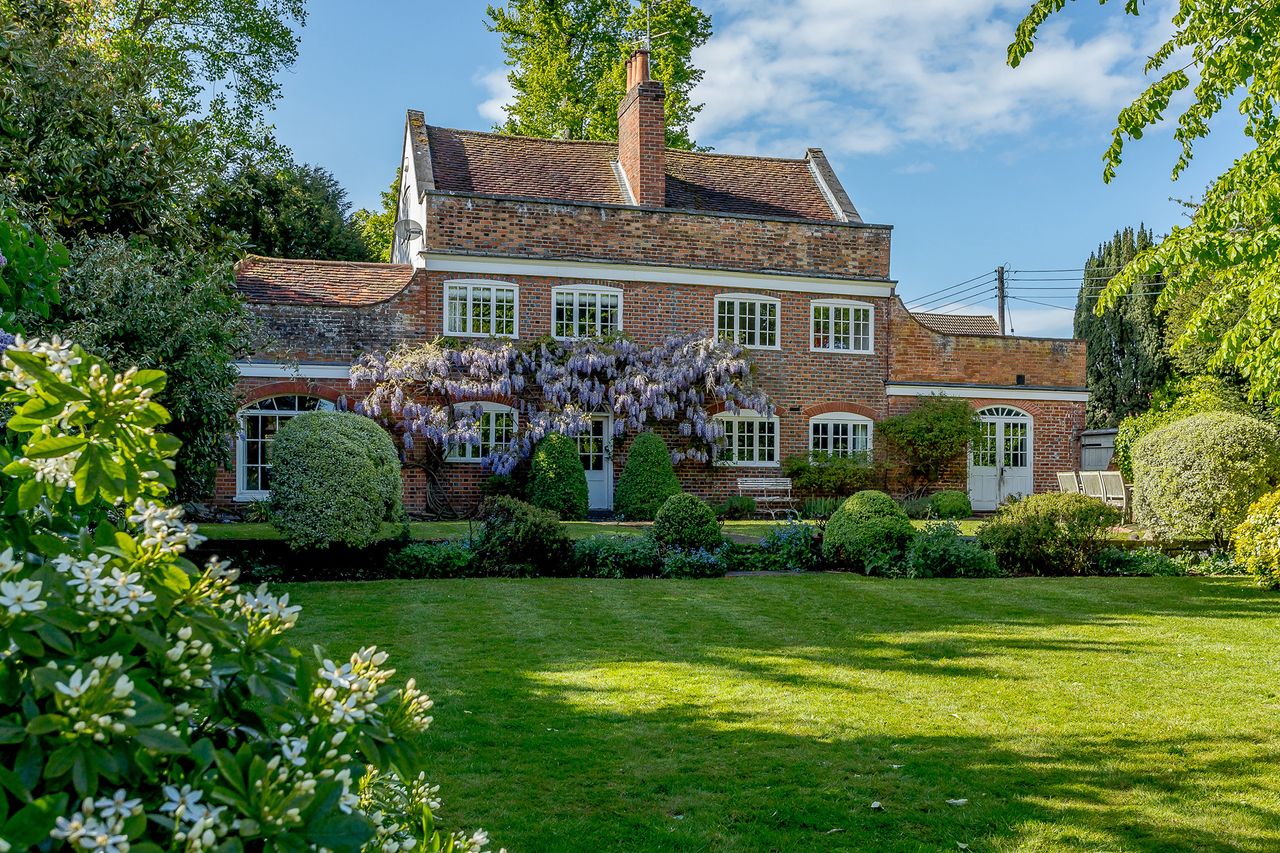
point(767, 713)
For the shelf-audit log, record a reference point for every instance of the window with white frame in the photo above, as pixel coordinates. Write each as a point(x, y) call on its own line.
point(839, 434)
point(495, 426)
point(478, 308)
point(750, 320)
point(749, 440)
point(259, 423)
point(585, 312)
point(840, 325)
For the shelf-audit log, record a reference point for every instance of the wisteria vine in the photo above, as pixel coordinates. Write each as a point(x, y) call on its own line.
point(556, 386)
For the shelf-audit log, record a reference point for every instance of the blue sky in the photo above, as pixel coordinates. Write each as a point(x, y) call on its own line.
point(974, 164)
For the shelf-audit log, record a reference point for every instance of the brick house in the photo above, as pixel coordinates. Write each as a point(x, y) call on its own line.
point(522, 238)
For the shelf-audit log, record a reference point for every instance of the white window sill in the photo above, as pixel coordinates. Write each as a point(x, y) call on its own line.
point(251, 497)
point(735, 464)
point(842, 351)
point(510, 337)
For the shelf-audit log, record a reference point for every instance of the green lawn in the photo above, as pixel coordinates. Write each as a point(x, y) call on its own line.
point(769, 713)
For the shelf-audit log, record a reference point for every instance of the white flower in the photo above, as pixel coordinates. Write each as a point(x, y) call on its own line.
point(8, 565)
point(119, 805)
point(184, 804)
point(21, 596)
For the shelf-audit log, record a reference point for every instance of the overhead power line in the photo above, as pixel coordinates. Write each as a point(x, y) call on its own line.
point(989, 274)
point(920, 304)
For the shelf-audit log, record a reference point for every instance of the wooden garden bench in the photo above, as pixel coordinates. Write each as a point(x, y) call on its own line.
point(771, 494)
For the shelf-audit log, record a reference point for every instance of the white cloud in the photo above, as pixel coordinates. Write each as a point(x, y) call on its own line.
point(500, 92)
point(869, 76)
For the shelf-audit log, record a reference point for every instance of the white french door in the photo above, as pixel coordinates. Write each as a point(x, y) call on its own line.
point(596, 449)
point(1000, 459)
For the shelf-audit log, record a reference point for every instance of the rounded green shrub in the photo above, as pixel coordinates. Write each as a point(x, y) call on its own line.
point(1196, 478)
point(335, 478)
point(1257, 540)
point(686, 522)
point(612, 556)
point(647, 479)
point(950, 504)
point(557, 481)
point(1049, 534)
point(737, 507)
point(517, 539)
point(869, 532)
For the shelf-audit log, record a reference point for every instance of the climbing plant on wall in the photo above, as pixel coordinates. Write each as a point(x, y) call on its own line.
point(434, 391)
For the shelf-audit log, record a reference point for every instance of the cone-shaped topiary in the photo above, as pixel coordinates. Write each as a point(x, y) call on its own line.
point(685, 521)
point(335, 477)
point(557, 481)
point(647, 479)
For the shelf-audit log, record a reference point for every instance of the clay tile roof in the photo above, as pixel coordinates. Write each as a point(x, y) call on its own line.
point(304, 282)
point(486, 163)
point(573, 170)
point(959, 324)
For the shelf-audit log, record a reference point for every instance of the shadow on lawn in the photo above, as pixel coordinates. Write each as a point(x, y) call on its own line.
point(580, 722)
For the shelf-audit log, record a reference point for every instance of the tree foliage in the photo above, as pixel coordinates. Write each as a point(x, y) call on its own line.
point(557, 481)
point(29, 272)
point(1126, 356)
point(1229, 252)
point(568, 63)
point(140, 304)
point(647, 479)
point(377, 227)
point(290, 210)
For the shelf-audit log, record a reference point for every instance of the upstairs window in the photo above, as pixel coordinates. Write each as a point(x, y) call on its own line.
point(749, 440)
point(840, 434)
point(479, 308)
point(495, 427)
point(585, 312)
point(259, 423)
point(750, 320)
point(842, 326)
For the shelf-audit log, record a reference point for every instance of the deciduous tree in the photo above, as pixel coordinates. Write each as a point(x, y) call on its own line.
point(568, 63)
point(1219, 54)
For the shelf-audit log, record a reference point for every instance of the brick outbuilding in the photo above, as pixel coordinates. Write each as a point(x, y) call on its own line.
point(511, 236)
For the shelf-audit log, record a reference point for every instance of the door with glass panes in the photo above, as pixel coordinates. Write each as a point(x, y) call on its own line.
point(596, 449)
point(1000, 459)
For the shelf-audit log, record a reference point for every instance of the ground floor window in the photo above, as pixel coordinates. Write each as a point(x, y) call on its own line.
point(259, 423)
point(495, 427)
point(749, 439)
point(840, 434)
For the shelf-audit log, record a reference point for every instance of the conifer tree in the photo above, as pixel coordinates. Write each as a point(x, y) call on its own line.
point(1127, 359)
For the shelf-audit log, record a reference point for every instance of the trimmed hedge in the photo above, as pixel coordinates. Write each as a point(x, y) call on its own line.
point(647, 479)
point(557, 481)
point(1197, 477)
point(686, 522)
point(613, 556)
point(869, 532)
point(1049, 534)
point(335, 478)
point(941, 552)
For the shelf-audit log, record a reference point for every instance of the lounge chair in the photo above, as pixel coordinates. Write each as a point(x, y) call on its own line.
point(1115, 491)
point(1091, 484)
point(1068, 482)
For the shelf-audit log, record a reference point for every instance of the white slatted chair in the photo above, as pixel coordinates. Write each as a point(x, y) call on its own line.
point(1115, 491)
point(1091, 484)
point(1068, 483)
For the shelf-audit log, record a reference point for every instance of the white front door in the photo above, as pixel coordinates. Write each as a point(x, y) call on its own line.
point(596, 449)
point(1000, 460)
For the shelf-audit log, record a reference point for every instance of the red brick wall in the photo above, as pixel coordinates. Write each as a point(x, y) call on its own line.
point(642, 143)
point(528, 228)
point(923, 355)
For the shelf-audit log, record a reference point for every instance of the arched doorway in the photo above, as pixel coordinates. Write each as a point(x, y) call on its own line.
point(1000, 459)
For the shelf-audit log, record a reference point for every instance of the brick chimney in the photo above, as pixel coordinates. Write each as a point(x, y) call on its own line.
point(642, 134)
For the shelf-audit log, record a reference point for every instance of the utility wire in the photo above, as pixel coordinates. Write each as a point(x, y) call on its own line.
point(1045, 304)
point(990, 274)
point(985, 286)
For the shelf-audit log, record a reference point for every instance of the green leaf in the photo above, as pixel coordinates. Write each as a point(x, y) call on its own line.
point(46, 724)
point(162, 741)
point(32, 823)
point(58, 445)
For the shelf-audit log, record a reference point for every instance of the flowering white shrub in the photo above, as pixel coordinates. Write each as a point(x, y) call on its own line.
point(675, 382)
point(148, 704)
